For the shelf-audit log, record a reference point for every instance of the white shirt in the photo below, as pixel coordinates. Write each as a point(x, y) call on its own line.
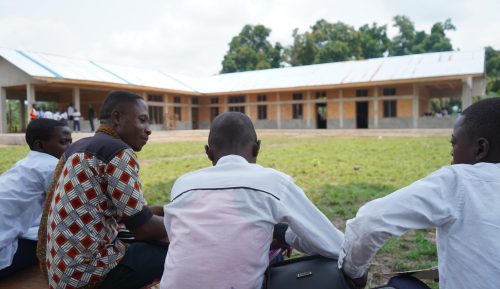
point(462, 201)
point(22, 192)
point(220, 224)
point(76, 116)
point(48, 114)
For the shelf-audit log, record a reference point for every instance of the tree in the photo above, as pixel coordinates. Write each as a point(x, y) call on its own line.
point(410, 41)
point(251, 50)
point(493, 69)
point(374, 40)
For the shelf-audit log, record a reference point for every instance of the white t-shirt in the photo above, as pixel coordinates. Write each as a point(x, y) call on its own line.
point(22, 192)
point(462, 201)
point(220, 224)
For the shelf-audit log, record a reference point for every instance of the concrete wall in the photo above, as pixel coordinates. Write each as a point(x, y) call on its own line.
point(436, 122)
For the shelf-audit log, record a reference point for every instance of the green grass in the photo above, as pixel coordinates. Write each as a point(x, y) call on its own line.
point(338, 174)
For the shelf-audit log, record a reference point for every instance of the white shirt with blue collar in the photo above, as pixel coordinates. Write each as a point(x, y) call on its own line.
point(220, 224)
point(22, 193)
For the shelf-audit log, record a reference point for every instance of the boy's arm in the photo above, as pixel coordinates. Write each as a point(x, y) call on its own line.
point(309, 230)
point(426, 203)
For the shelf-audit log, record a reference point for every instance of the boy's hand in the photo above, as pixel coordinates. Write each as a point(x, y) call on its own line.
point(157, 210)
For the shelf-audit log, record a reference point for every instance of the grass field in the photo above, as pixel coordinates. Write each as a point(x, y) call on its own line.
point(338, 175)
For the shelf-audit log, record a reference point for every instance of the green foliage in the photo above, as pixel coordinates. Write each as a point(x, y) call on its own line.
point(410, 41)
point(251, 50)
point(331, 42)
point(493, 69)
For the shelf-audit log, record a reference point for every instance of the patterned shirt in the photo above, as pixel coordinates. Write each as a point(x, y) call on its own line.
point(98, 186)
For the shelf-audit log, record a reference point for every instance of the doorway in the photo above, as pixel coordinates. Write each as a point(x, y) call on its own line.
point(362, 114)
point(321, 115)
point(194, 118)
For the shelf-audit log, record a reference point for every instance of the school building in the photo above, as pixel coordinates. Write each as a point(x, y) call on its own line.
point(389, 92)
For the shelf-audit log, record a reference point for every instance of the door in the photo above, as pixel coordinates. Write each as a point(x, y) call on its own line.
point(321, 115)
point(362, 114)
point(194, 118)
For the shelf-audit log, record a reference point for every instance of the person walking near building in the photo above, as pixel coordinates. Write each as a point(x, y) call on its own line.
point(76, 120)
point(91, 115)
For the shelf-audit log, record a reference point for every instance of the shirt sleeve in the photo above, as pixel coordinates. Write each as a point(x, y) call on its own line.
point(309, 231)
point(429, 202)
point(124, 186)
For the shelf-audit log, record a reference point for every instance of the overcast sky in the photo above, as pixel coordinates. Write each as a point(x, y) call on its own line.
point(190, 37)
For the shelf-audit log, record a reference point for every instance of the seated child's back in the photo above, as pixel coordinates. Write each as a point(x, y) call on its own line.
point(220, 220)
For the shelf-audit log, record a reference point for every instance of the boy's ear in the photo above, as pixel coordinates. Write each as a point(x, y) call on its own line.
point(209, 153)
point(482, 149)
point(115, 118)
point(256, 149)
point(38, 145)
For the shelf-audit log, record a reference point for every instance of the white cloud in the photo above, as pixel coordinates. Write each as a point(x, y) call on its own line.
point(191, 37)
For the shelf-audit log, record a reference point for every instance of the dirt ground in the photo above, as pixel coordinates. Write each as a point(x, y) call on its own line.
point(186, 135)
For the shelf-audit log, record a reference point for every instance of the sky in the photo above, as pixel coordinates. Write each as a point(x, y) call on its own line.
point(191, 37)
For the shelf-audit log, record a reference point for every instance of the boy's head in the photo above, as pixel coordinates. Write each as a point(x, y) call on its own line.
point(232, 133)
point(127, 114)
point(476, 135)
point(48, 136)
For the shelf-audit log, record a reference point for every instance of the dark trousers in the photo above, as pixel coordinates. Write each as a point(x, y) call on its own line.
point(25, 257)
point(407, 282)
point(143, 263)
point(91, 121)
point(76, 125)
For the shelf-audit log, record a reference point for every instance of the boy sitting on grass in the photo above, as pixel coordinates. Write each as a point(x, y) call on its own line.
point(461, 200)
point(220, 220)
point(22, 192)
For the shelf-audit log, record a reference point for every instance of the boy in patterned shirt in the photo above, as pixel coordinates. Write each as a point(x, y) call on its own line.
point(96, 186)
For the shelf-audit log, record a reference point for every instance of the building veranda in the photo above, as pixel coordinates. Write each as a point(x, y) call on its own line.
point(390, 92)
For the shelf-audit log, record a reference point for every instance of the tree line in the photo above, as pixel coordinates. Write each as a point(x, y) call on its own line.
point(330, 42)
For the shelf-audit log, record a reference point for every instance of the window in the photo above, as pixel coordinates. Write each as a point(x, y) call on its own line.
point(155, 114)
point(389, 91)
point(297, 108)
point(177, 113)
point(155, 97)
point(237, 99)
point(214, 100)
point(390, 108)
point(194, 100)
point(321, 94)
point(261, 111)
point(237, 108)
point(261, 97)
point(177, 99)
point(361, 92)
point(214, 112)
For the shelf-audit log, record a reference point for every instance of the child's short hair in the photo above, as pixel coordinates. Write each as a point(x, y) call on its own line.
point(41, 129)
point(482, 119)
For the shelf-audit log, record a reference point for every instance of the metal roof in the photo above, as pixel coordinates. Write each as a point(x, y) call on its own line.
point(399, 68)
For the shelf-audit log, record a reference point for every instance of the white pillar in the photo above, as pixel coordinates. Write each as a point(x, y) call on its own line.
point(278, 111)
point(247, 105)
point(224, 103)
point(341, 108)
point(416, 106)
point(309, 109)
point(375, 107)
point(466, 92)
point(30, 97)
point(76, 98)
point(30, 94)
point(3, 110)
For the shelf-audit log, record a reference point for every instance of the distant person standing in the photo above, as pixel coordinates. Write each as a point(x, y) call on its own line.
point(48, 114)
point(91, 115)
point(76, 120)
point(33, 113)
point(70, 111)
point(64, 118)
